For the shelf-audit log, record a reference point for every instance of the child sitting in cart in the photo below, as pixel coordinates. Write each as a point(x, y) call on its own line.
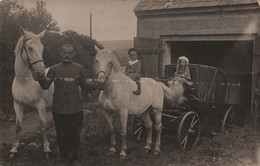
point(182, 69)
point(182, 73)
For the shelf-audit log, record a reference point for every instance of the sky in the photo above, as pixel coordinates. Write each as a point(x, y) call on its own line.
point(112, 19)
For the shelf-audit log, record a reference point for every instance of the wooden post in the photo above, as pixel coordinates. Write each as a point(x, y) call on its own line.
point(90, 26)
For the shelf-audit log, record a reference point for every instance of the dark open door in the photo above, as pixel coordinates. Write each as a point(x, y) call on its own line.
point(150, 50)
point(256, 84)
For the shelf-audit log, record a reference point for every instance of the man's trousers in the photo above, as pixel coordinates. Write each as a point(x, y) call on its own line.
point(68, 130)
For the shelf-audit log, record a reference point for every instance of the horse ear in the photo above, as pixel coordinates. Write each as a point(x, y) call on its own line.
point(97, 49)
point(22, 30)
point(40, 35)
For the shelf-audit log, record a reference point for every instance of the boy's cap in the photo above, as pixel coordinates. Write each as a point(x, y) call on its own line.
point(67, 48)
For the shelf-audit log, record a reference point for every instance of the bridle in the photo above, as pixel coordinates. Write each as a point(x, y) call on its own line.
point(27, 57)
point(106, 75)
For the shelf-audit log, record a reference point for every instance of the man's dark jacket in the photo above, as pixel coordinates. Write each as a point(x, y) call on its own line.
point(67, 78)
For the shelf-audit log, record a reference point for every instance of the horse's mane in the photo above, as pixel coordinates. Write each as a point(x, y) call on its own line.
point(115, 62)
point(18, 46)
point(20, 42)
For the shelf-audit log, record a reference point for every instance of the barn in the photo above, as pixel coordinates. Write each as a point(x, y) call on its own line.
point(219, 33)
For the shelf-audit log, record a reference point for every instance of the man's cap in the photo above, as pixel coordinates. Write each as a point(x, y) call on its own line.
point(67, 48)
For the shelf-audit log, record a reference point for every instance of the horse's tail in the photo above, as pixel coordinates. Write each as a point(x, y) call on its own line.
point(173, 94)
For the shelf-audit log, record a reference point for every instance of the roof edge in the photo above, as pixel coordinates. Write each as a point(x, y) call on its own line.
point(230, 8)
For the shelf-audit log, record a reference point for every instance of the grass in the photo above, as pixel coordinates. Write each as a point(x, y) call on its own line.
point(236, 147)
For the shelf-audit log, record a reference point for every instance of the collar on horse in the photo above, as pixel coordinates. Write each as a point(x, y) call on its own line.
point(27, 57)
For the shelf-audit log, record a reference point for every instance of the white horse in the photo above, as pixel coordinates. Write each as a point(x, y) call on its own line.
point(117, 96)
point(29, 67)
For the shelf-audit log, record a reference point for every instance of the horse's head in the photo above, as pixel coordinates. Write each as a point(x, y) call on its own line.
point(103, 66)
point(31, 52)
point(106, 64)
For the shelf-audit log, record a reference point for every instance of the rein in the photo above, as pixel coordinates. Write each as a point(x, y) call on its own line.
point(27, 57)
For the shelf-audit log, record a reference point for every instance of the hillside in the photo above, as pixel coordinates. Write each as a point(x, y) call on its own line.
point(117, 44)
point(120, 47)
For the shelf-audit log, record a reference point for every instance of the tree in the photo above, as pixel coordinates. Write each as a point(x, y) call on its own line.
point(35, 20)
point(41, 19)
point(84, 50)
point(14, 15)
point(10, 12)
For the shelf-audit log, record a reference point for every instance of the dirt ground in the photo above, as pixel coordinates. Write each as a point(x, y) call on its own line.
point(238, 147)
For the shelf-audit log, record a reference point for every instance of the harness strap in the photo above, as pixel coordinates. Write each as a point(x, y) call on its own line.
point(106, 75)
point(103, 73)
point(27, 57)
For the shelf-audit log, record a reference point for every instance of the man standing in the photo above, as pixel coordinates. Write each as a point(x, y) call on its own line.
point(67, 108)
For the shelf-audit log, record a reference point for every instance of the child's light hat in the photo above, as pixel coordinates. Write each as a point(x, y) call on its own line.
point(183, 58)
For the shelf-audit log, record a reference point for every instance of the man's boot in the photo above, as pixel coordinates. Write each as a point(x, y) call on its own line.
point(138, 91)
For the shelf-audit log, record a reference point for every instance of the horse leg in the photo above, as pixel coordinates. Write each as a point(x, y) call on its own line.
point(41, 107)
point(148, 124)
point(123, 122)
point(18, 128)
point(158, 117)
point(109, 119)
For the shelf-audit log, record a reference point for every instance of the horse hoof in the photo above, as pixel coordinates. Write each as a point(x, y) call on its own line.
point(47, 156)
point(147, 150)
point(156, 153)
point(12, 155)
point(111, 153)
point(122, 158)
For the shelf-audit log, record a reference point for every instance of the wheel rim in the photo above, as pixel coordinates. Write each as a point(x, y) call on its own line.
point(189, 130)
point(228, 119)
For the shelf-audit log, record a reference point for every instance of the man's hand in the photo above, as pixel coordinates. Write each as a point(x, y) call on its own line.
point(42, 78)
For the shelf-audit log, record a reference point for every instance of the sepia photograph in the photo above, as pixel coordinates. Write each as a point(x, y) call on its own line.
point(129, 82)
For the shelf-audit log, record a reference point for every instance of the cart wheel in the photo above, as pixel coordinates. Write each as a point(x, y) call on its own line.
point(138, 128)
point(228, 120)
point(189, 130)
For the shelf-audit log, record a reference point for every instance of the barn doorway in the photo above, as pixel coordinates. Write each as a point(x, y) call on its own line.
point(236, 57)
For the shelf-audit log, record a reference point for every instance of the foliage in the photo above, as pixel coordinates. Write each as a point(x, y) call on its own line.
point(40, 19)
point(84, 49)
point(12, 16)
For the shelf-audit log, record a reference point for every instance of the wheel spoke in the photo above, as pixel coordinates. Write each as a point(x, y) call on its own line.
point(184, 141)
point(193, 124)
point(139, 135)
point(138, 130)
point(193, 118)
point(197, 126)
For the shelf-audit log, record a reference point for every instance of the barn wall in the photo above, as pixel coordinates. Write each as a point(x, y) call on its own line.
point(209, 23)
point(199, 24)
point(150, 50)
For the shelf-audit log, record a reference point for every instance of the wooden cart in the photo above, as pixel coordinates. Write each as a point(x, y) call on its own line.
point(206, 100)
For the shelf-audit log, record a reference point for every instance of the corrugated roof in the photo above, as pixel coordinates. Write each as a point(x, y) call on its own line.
point(144, 5)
